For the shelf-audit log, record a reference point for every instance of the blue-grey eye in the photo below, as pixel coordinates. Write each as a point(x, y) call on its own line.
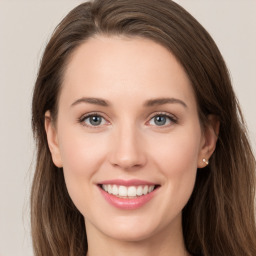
point(160, 120)
point(94, 120)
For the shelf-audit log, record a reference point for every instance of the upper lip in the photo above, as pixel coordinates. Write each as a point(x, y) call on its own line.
point(132, 182)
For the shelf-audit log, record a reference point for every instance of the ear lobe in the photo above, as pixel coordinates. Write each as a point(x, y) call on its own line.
point(52, 139)
point(209, 140)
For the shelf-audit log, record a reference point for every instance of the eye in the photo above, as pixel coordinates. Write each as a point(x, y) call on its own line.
point(162, 120)
point(93, 120)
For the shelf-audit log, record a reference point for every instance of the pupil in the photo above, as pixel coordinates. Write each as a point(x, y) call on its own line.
point(95, 120)
point(160, 120)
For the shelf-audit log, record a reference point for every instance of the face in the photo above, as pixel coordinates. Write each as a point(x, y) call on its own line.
point(128, 137)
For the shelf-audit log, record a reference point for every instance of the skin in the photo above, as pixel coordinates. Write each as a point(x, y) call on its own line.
point(128, 143)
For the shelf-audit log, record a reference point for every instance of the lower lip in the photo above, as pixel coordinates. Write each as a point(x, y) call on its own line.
point(127, 203)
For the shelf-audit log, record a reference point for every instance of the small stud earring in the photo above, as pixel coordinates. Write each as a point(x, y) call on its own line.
point(205, 161)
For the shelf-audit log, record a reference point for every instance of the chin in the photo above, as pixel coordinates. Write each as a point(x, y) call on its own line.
point(131, 229)
point(131, 235)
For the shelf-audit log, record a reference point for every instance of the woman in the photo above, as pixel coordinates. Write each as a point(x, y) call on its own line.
point(142, 148)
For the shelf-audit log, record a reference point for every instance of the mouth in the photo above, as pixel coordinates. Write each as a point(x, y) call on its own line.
point(128, 192)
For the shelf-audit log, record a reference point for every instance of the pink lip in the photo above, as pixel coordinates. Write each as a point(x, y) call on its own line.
point(127, 183)
point(127, 203)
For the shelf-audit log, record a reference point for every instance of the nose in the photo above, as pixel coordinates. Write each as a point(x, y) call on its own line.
point(128, 151)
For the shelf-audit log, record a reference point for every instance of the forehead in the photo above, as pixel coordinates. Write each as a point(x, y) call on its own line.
point(125, 67)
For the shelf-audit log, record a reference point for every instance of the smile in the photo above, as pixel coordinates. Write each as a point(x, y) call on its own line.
point(128, 195)
point(127, 191)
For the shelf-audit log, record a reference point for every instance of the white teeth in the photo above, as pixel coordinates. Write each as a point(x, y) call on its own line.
point(109, 189)
point(139, 191)
point(122, 191)
point(150, 189)
point(115, 190)
point(131, 191)
point(145, 190)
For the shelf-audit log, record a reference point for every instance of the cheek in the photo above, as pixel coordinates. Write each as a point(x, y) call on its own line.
point(181, 154)
point(177, 150)
point(180, 149)
point(81, 153)
point(176, 158)
point(81, 157)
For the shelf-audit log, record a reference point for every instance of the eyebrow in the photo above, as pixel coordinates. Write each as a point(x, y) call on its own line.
point(95, 101)
point(162, 101)
point(148, 103)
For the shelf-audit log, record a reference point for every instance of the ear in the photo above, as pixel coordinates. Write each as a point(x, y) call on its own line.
point(209, 140)
point(52, 139)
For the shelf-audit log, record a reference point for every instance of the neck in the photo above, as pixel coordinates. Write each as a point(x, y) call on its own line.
point(168, 242)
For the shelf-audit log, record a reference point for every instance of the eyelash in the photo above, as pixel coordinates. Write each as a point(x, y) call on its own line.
point(172, 119)
point(94, 114)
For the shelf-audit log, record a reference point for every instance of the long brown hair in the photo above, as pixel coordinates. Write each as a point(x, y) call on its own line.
point(219, 217)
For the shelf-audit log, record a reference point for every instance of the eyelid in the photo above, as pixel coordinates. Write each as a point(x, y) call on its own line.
point(173, 118)
point(87, 115)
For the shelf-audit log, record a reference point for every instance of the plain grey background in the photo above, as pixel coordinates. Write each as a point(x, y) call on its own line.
point(25, 27)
